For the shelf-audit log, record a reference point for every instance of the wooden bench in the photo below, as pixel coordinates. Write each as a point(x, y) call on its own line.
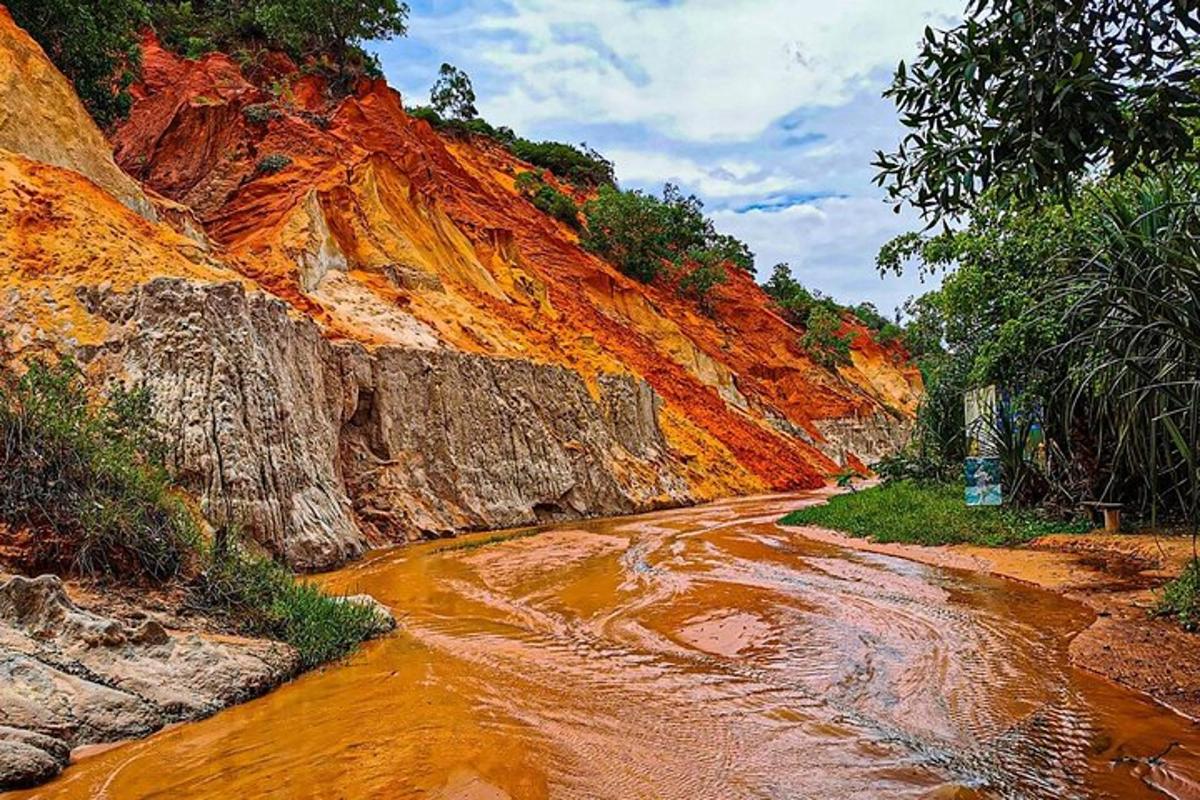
point(1112, 514)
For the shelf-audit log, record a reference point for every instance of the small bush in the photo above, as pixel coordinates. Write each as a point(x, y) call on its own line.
point(629, 230)
point(527, 183)
point(795, 301)
point(260, 113)
point(890, 333)
point(911, 465)
point(821, 340)
point(548, 199)
point(273, 163)
point(87, 478)
point(704, 275)
point(581, 166)
point(322, 628)
point(426, 113)
point(642, 234)
point(558, 205)
point(316, 120)
point(1180, 599)
point(869, 316)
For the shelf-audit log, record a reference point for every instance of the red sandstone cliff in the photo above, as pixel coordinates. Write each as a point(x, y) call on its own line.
point(382, 339)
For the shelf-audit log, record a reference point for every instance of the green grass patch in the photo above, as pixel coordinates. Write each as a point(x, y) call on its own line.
point(87, 478)
point(262, 598)
point(928, 514)
point(1180, 598)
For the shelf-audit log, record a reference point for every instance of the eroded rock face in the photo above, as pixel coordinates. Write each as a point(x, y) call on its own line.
point(70, 677)
point(28, 758)
point(442, 441)
point(321, 447)
point(868, 438)
point(251, 401)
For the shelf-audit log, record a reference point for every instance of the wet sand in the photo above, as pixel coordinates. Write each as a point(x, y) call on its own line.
point(694, 653)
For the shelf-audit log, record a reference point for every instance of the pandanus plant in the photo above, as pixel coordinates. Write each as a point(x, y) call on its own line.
point(1134, 313)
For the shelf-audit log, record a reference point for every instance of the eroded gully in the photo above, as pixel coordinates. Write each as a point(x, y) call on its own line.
point(694, 653)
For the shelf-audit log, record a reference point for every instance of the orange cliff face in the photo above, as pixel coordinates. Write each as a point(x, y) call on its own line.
point(356, 330)
point(393, 234)
point(70, 219)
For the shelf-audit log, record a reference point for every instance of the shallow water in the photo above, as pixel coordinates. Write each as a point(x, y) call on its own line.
point(695, 653)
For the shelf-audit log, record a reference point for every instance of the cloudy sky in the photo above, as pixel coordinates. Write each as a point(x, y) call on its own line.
point(769, 110)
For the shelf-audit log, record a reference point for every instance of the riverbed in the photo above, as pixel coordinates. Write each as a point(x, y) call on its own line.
point(693, 653)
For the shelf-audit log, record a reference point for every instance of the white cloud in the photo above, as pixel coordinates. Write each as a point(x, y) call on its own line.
point(719, 180)
point(744, 102)
point(831, 245)
point(703, 70)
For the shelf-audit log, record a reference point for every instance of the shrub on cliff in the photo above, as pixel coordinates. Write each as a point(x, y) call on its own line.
point(581, 166)
point(643, 235)
point(86, 480)
point(822, 341)
point(94, 44)
point(797, 302)
point(260, 113)
point(628, 229)
point(452, 109)
point(327, 34)
point(869, 316)
point(329, 27)
point(83, 489)
point(700, 276)
point(548, 199)
point(270, 164)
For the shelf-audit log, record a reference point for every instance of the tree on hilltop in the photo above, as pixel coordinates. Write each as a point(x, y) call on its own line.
point(452, 94)
point(331, 27)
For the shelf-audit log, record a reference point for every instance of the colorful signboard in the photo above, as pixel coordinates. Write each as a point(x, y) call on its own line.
point(981, 472)
point(982, 477)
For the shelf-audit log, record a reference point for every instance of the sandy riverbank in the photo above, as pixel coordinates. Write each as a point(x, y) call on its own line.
point(1115, 575)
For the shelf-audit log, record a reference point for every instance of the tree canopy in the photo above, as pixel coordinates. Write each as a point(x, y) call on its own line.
point(1031, 95)
point(452, 94)
point(642, 234)
point(95, 44)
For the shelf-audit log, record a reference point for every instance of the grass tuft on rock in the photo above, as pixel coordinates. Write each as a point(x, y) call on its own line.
point(474, 543)
point(928, 514)
point(261, 598)
point(84, 484)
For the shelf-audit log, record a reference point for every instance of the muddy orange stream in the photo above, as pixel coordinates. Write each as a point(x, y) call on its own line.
point(697, 653)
